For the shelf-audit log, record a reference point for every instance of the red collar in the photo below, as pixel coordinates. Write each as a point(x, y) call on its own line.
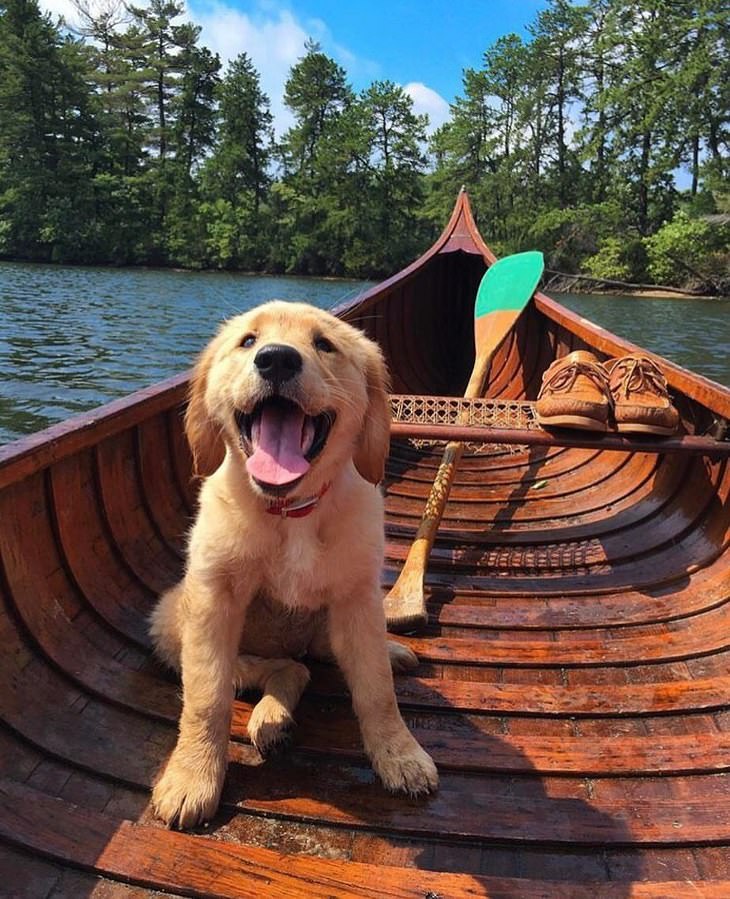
point(296, 508)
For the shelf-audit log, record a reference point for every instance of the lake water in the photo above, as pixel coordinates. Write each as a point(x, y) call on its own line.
point(73, 338)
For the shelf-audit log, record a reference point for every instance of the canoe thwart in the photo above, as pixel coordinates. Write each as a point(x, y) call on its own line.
point(449, 418)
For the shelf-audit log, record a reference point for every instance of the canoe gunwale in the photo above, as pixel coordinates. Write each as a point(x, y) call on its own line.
point(28, 455)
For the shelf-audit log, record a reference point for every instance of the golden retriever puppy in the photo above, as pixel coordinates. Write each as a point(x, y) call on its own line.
point(289, 410)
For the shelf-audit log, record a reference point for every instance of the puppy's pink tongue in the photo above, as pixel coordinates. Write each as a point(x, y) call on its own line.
point(277, 440)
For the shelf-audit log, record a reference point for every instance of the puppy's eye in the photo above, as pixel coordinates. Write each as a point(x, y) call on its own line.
point(323, 345)
point(248, 341)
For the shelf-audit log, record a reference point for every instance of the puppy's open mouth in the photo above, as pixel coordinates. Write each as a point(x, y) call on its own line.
point(281, 441)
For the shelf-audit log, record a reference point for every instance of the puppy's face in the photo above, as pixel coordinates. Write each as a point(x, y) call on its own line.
point(293, 391)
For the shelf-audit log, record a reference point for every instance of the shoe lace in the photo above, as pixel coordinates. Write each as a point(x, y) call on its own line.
point(564, 376)
point(637, 374)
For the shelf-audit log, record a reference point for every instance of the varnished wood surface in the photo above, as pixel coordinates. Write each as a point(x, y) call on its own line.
point(574, 681)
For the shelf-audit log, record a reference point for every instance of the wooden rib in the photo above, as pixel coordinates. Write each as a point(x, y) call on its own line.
point(62, 624)
point(181, 459)
point(592, 700)
point(514, 496)
point(663, 645)
point(699, 592)
point(96, 565)
point(414, 467)
point(165, 507)
point(134, 535)
point(513, 514)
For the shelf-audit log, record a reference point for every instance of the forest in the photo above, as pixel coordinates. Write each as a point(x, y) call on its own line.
point(125, 141)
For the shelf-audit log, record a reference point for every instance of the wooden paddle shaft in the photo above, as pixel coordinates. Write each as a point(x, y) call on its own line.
point(439, 495)
point(503, 293)
point(408, 588)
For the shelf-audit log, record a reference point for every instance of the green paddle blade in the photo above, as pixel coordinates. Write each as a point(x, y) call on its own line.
point(509, 283)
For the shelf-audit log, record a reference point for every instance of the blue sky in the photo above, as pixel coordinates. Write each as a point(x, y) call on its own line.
point(409, 41)
point(423, 46)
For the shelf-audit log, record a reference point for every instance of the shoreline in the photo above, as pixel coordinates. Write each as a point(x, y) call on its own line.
point(640, 293)
point(644, 293)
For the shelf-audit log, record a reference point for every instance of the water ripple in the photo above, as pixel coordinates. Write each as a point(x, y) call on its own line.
point(72, 338)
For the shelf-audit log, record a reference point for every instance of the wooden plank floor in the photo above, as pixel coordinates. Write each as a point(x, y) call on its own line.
point(573, 690)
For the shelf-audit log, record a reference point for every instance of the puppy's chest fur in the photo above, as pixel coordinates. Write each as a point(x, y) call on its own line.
point(330, 557)
point(297, 567)
point(272, 629)
point(288, 610)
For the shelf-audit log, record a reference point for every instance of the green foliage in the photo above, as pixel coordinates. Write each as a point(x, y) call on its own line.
point(570, 236)
point(47, 138)
point(124, 145)
point(618, 259)
point(679, 243)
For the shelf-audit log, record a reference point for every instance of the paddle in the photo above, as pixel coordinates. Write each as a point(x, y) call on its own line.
point(504, 292)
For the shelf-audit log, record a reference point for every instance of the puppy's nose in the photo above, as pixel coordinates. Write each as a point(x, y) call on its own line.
point(277, 362)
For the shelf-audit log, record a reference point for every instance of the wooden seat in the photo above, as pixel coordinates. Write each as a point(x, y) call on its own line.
point(512, 422)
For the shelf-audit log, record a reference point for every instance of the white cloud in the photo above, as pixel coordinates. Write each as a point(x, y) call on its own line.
point(273, 38)
point(426, 100)
point(57, 8)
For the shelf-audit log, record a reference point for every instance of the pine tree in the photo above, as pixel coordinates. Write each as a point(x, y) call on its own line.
point(316, 92)
point(554, 53)
point(305, 203)
point(397, 138)
point(48, 139)
point(236, 178)
point(241, 160)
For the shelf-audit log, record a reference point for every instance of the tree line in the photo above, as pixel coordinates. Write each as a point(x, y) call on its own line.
point(124, 141)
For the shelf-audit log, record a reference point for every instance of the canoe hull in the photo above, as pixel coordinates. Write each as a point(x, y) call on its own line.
point(573, 685)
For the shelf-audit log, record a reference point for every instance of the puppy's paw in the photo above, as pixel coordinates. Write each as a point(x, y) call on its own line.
point(401, 657)
point(405, 767)
point(185, 795)
point(269, 724)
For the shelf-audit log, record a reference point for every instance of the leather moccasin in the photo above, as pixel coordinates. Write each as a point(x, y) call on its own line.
point(641, 402)
point(575, 393)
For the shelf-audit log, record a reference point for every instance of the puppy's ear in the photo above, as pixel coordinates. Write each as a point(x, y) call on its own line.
point(373, 444)
point(203, 435)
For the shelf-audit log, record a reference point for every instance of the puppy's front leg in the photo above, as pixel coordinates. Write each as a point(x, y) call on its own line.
point(358, 637)
point(189, 789)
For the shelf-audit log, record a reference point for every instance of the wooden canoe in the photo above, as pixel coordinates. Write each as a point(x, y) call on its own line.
point(575, 680)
